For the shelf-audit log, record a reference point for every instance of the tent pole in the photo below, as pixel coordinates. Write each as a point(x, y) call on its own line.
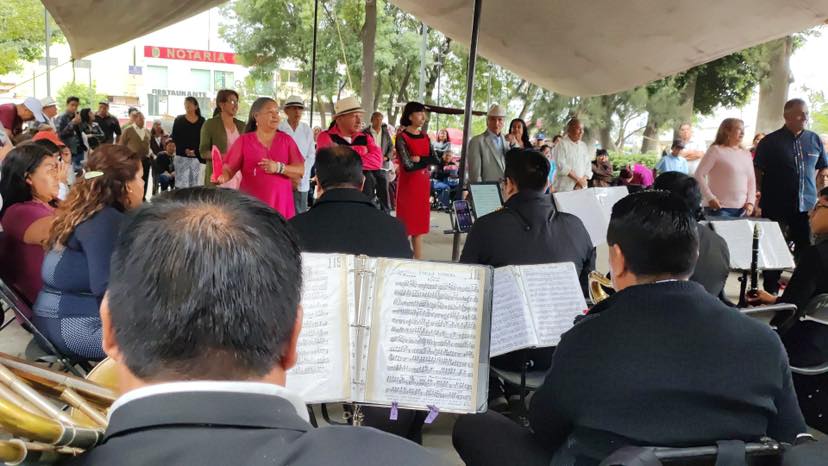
point(467, 116)
point(313, 58)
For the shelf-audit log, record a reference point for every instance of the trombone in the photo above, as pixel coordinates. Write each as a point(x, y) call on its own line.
point(32, 401)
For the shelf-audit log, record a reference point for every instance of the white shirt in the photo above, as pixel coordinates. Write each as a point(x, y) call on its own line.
point(573, 157)
point(693, 145)
point(257, 388)
point(303, 137)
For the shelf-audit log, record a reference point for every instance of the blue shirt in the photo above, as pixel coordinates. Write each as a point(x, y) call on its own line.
point(789, 163)
point(672, 163)
point(497, 140)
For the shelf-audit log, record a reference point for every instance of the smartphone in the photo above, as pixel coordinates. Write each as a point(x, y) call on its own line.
point(462, 212)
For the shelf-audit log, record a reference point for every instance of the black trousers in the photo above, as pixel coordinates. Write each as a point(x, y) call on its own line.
point(409, 423)
point(796, 228)
point(147, 166)
point(376, 184)
point(493, 439)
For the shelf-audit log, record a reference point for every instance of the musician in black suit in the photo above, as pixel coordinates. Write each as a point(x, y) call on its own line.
point(345, 220)
point(713, 266)
point(661, 362)
point(202, 346)
point(527, 230)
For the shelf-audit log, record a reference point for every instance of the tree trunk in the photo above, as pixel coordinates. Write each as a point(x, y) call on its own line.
point(402, 94)
point(686, 111)
point(773, 90)
point(649, 142)
point(369, 36)
point(378, 92)
point(322, 112)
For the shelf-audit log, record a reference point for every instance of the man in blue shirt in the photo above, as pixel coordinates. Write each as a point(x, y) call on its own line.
point(787, 163)
point(673, 162)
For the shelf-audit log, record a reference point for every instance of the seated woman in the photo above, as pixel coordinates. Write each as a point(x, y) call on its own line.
point(29, 188)
point(76, 268)
point(806, 342)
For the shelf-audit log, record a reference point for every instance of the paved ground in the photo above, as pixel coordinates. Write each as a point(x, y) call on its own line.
point(438, 246)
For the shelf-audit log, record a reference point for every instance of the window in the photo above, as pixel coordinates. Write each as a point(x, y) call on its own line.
point(223, 80)
point(156, 77)
point(200, 80)
point(289, 76)
point(157, 105)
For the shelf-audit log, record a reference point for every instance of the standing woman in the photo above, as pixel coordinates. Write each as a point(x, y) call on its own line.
point(725, 174)
point(415, 155)
point(269, 160)
point(518, 136)
point(186, 133)
point(221, 131)
point(83, 236)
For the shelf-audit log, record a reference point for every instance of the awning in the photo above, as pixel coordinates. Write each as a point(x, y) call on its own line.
point(598, 47)
point(94, 25)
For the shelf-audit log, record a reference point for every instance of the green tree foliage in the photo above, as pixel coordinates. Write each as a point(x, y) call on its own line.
point(22, 34)
point(88, 96)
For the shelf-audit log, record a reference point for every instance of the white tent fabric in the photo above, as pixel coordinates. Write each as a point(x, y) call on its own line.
point(596, 47)
point(94, 25)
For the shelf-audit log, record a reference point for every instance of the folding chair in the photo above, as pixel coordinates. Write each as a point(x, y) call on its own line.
point(20, 308)
point(767, 452)
point(525, 381)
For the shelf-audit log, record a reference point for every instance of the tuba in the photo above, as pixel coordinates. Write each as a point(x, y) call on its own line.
point(598, 285)
point(51, 414)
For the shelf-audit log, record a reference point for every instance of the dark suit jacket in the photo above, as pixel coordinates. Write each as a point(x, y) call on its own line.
point(665, 364)
point(713, 266)
point(227, 428)
point(528, 230)
point(346, 221)
point(384, 144)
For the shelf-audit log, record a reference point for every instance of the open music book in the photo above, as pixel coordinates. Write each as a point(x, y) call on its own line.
point(533, 305)
point(385, 331)
point(738, 234)
point(593, 206)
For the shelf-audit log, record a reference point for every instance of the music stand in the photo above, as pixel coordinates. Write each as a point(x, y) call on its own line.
point(485, 198)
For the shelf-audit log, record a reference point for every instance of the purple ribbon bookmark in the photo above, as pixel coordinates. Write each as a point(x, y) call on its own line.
point(433, 412)
point(394, 410)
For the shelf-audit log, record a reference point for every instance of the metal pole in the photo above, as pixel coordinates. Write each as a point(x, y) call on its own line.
point(423, 48)
point(489, 91)
point(467, 116)
point(48, 64)
point(313, 58)
point(439, 79)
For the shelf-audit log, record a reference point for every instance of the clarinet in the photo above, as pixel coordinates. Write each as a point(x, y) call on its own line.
point(754, 261)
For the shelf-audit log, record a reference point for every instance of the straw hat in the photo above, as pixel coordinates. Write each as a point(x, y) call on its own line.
point(346, 106)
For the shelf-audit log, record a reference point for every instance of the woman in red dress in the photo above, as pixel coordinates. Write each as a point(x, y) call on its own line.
point(413, 186)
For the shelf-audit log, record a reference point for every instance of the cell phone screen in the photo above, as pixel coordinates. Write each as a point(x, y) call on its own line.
point(462, 212)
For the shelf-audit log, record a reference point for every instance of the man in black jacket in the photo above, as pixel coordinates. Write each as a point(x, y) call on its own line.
point(343, 219)
point(528, 230)
point(379, 131)
point(661, 362)
point(713, 266)
point(202, 352)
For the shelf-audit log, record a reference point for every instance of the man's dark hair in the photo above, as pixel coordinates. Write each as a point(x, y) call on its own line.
point(71, 99)
point(683, 186)
point(48, 145)
point(656, 233)
point(339, 166)
point(528, 169)
point(793, 103)
point(823, 192)
point(218, 298)
point(131, 110)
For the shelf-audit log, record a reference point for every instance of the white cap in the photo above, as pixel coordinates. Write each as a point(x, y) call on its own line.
point(36, 108)
point(497, 111)
point(47, 102)
point(294, 101)
point(346, 106)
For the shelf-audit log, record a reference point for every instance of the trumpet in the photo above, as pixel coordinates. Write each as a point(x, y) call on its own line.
point(32, 401)
point(598, 285)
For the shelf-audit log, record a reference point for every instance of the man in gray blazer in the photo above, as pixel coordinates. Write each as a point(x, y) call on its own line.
point(486, 151)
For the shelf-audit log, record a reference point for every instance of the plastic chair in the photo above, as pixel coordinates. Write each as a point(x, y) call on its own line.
point(20, 308)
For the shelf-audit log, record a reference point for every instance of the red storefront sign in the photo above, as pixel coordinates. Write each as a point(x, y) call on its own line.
point(173, 53)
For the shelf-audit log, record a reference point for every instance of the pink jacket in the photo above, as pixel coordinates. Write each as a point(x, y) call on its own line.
point(363, 144)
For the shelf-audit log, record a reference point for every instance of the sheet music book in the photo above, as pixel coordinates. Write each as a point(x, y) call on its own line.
point(486, 198)
point(380, 331)
point(738, 234)
point(593, 206)
point(533, 305)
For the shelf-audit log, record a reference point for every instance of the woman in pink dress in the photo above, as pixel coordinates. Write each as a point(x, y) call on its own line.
point(269, 160)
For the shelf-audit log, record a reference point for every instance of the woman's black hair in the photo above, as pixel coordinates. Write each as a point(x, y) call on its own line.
point(216, 111)
point(525, 139)
point(18, 165)
point(411, 107)
point(194, 101)
point(86, 115)
point(254, 109)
